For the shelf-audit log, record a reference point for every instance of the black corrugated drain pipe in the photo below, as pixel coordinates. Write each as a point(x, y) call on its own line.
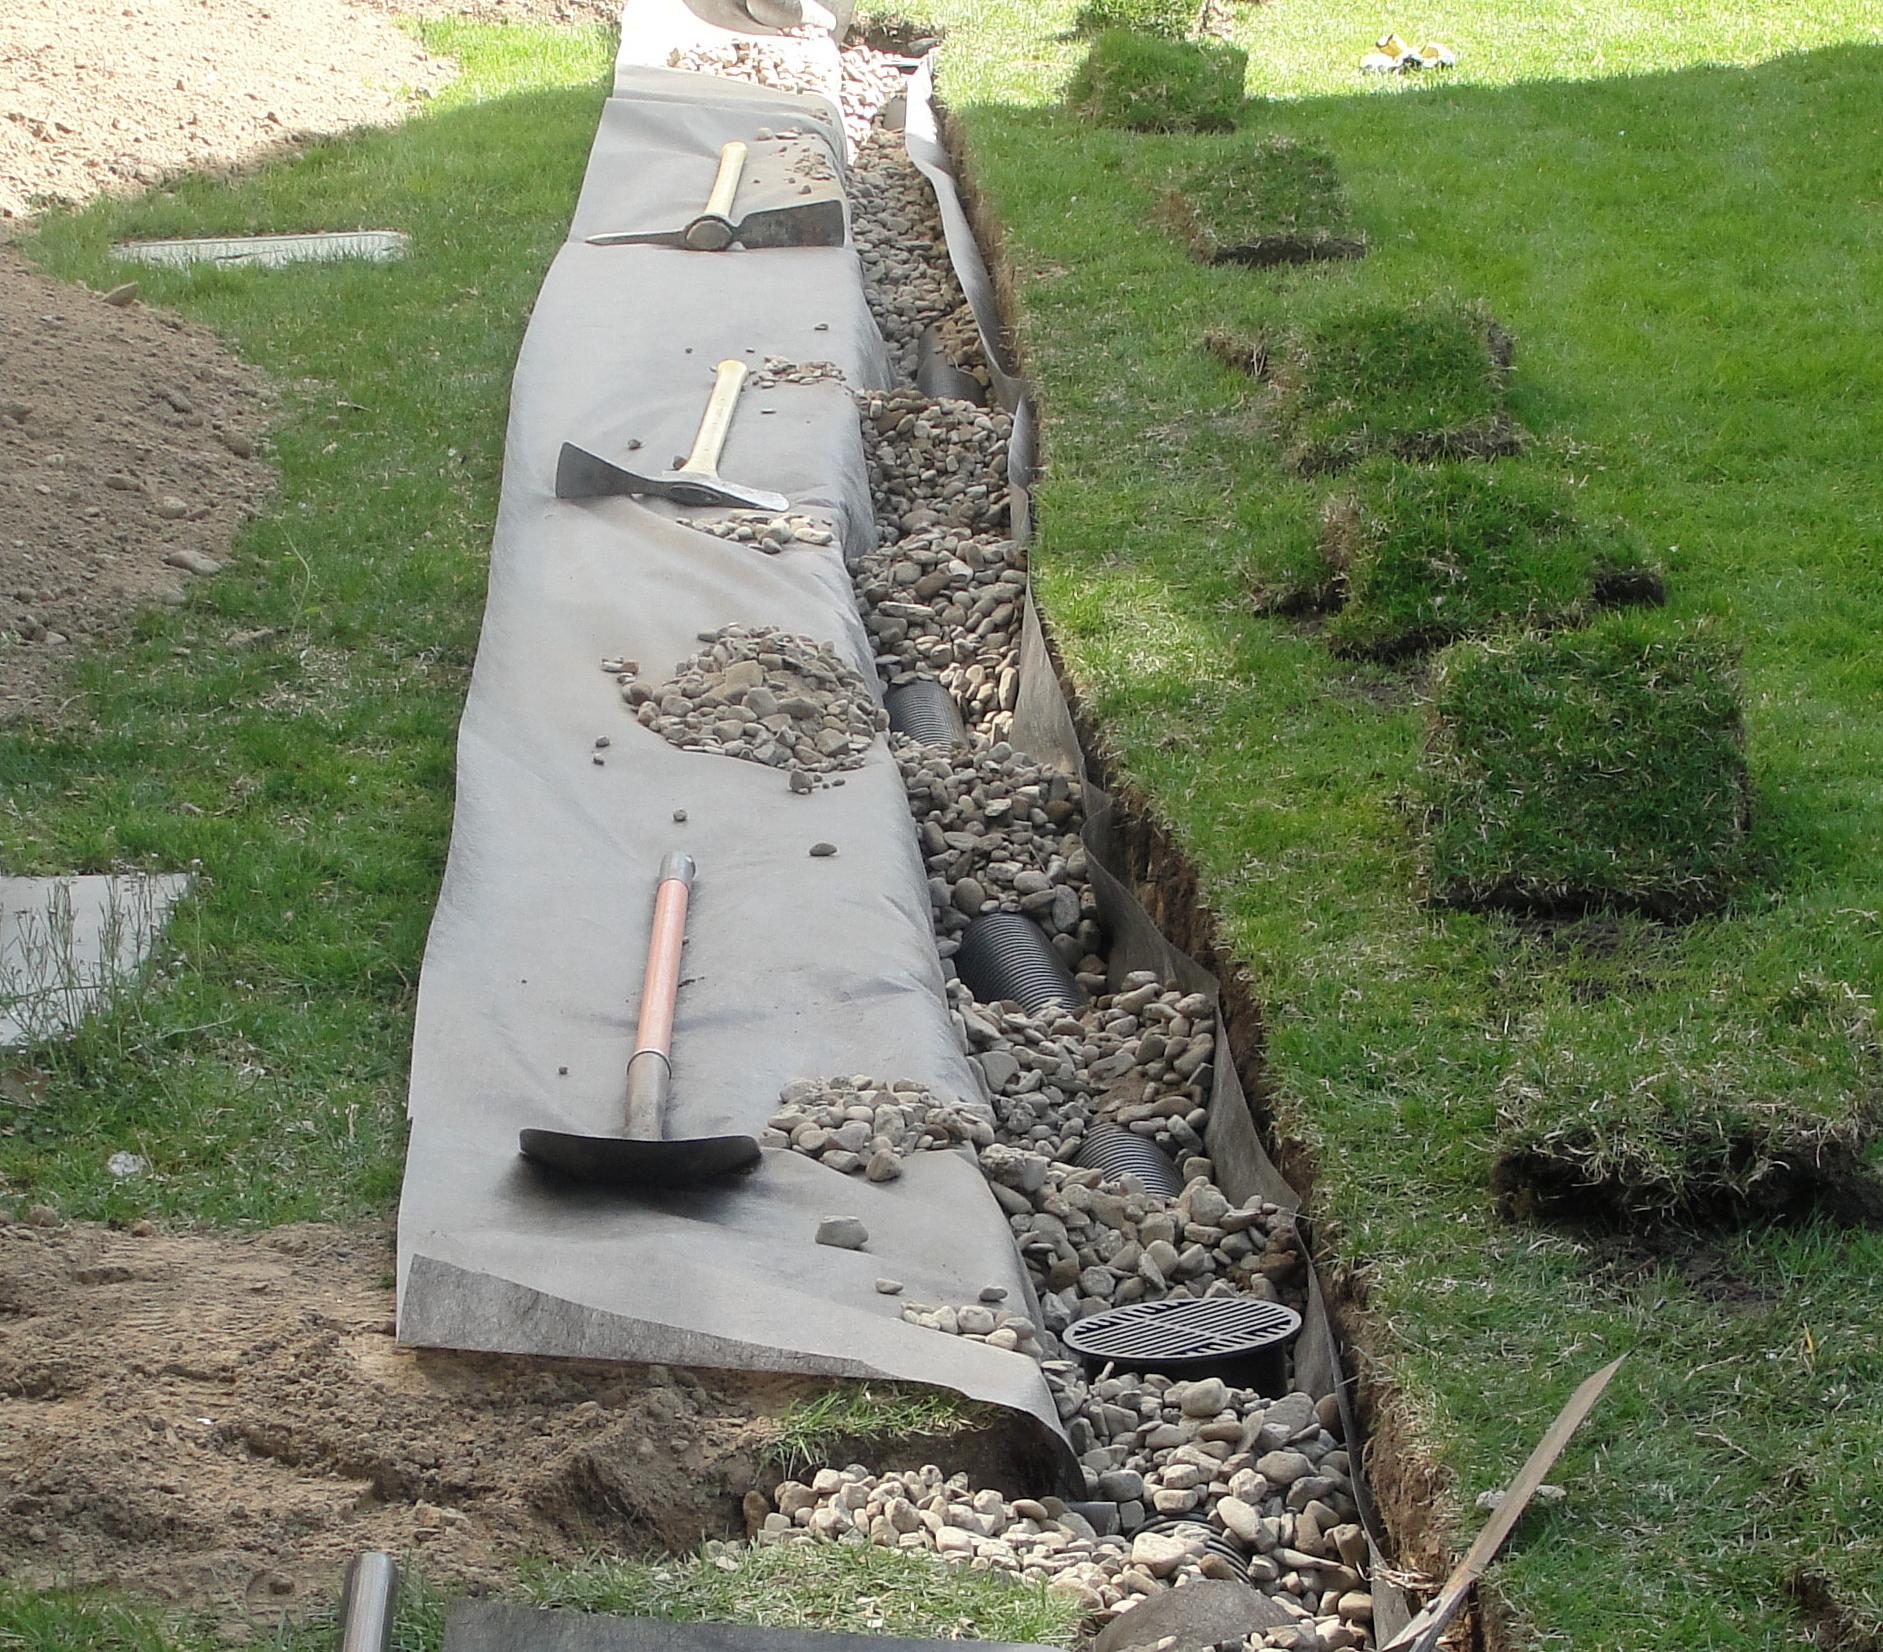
point(1007, 955)
point(1119, 1152)
point(923, 709)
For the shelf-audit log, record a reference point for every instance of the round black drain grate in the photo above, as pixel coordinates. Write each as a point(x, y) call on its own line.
point(1182, 1335)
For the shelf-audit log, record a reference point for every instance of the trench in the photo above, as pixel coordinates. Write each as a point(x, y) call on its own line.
point(1061, 920)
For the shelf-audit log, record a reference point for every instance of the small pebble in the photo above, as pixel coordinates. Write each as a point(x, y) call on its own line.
point(842, 1233)
point(823, 851)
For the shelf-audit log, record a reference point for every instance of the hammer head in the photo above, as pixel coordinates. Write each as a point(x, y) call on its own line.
point(582, 475)
point(620, 1161)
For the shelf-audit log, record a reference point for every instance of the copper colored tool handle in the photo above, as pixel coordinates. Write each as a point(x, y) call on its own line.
point(651, 1064)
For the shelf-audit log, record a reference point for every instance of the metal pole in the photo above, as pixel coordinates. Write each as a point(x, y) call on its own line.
point(367, 1599)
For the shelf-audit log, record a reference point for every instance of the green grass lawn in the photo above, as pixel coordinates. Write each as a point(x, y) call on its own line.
point(1679, 225)
point(308, 770)
point(1675, 212)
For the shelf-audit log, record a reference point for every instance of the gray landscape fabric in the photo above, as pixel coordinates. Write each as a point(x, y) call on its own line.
point(795, 967)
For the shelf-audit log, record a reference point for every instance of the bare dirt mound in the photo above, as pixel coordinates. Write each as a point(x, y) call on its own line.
point(221, 1421)
point(126, 437)
point(106, 97)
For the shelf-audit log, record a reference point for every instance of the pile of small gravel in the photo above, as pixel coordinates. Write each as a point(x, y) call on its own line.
point(1000, 833)
point(868, 1125)
point(764, 531)
point(1090, 1243)
point(787, 62)
point(908, 280)
point(1142, 1058)
point(948, 604)
point(870, 79)
point(1296, 1559)
point(959, 335)
point(981, 1321)
point(764, 695)
point(935, 462)
point(777, 370)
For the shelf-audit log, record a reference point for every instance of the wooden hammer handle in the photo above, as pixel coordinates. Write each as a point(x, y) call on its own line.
point(728, 377)
point(726, 181)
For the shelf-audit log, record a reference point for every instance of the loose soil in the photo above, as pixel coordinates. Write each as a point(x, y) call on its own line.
point(221, 1421)
point(105, 97)
point(126, 436)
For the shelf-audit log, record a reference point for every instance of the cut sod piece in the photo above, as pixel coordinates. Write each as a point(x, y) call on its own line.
point(1724, 1104)
point(1420, 381)
point(1273, 201)
point(1147, 85)
point(1167, 19)
point(1422, 555)
point(1586, 769)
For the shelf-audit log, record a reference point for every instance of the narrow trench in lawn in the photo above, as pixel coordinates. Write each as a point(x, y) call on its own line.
point(232, 1458)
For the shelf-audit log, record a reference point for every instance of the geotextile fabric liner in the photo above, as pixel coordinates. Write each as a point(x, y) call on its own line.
point(1043, 726)
point(795, 967)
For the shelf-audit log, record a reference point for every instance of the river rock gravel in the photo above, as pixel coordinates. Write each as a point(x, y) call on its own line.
point(864, 1126)
point(935, 462)
point(762, 694)
point(999, 832)
point(948, 604)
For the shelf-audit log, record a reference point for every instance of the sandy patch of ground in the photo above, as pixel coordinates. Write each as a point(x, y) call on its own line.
point(126, 437)
point(108, 97)
point(221, 1421)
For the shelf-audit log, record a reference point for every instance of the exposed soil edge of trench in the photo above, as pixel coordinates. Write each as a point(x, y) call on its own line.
point(1406, 1484)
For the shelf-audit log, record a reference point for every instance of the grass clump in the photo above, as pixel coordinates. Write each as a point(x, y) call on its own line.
point(1422, 555)
point(813, 1433)
point(1421, 381)
point(1164, 19)
point(1586, 769)
point(1149, 85)
point(1764, 1107)
point(814, 1585)
point(1272, 201)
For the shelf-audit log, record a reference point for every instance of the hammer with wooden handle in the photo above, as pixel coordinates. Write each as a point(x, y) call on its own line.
point(582, 475)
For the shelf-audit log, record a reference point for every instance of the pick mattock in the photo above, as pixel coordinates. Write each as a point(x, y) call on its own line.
point(582, 475)
point(816, 220)
point(646, 1156)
